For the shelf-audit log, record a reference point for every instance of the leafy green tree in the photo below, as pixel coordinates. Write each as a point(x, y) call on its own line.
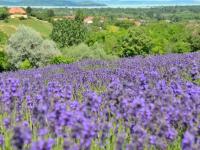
point(168, 37)
point(136, 42)
point(124, 24)
point(68, 32)
point(194, 40)
point(181, 47)
point(27, 46)
point(3, 13)
point(50, 13)
point(4, 65)
point(79, 16)
point(29, 10)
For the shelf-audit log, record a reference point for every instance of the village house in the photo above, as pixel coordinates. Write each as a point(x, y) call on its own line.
point(102, 19)
point(89, 20)
point(17, 12)
point(137, 23)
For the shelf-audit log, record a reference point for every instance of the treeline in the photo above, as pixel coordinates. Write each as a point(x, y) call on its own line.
point(173, 13)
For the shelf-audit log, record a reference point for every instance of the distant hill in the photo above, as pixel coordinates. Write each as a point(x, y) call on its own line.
point(149, 2)
point(96, 2)
point(50, 3)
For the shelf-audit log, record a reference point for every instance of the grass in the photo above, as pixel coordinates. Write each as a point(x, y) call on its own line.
point(43, 27)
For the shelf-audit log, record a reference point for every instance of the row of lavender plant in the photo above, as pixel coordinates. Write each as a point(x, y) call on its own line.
point(131, 104)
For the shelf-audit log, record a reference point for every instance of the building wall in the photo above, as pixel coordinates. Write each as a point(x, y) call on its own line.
point(18, 16)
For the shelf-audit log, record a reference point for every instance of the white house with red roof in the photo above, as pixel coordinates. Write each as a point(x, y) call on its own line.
point(17, 12)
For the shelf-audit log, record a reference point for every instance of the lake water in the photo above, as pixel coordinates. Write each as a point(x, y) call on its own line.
point(135, 5)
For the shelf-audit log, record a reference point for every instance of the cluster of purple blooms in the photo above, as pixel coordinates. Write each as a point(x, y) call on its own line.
point(136, 103)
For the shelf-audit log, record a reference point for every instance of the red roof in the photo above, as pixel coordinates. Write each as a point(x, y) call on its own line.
point(17, 10)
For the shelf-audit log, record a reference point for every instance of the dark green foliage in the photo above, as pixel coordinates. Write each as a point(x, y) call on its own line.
point(108, 38)
point(194, 40)
point(195, 43)
point(40, 15)
point(4, 65)
point(135, 43)
point(124, 24)
point(95, 37)
point(50, 13)
point(29, 10)
point(45, 14)
point(62, 60)
point(68, 32)
point(79, 16)
point(168, 37)
point(3, 38)
point(3, 13)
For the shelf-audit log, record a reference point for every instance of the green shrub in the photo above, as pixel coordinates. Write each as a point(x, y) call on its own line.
point(3, 38)
point(194, 40)
point(136, 42)
point(181, 47)
point(168, 37)
point(62, 60)
point(25, 65)
point(124, 24)
point(108, 38)
point(68, 32)
point(29, 10)
point(4, 65)
point(50, 13)
point(82, 51)
point(27, 44)
point(3, 13)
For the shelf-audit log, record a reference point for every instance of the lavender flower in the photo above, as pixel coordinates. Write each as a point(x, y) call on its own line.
point(143, 102)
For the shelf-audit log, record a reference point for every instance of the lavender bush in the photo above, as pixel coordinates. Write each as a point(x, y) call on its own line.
point(128, 104)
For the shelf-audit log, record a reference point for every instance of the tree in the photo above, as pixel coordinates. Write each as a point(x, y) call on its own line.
point(50, 13)
point(3, 13)
point(27, 46)
point(29, 10)
point(68, 32)
point(194, 41)
point(3, 61)
point(79, 16)
point(136, 42)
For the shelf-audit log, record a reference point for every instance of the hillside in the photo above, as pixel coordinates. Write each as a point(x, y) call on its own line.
point(150, 2)
point(43, 27)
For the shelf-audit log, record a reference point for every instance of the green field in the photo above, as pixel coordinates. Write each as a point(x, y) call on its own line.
point(43, 27)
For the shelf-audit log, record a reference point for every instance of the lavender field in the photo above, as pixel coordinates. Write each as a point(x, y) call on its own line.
point(128, 104)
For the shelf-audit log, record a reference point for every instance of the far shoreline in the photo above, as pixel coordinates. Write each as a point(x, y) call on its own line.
point(108, 6)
